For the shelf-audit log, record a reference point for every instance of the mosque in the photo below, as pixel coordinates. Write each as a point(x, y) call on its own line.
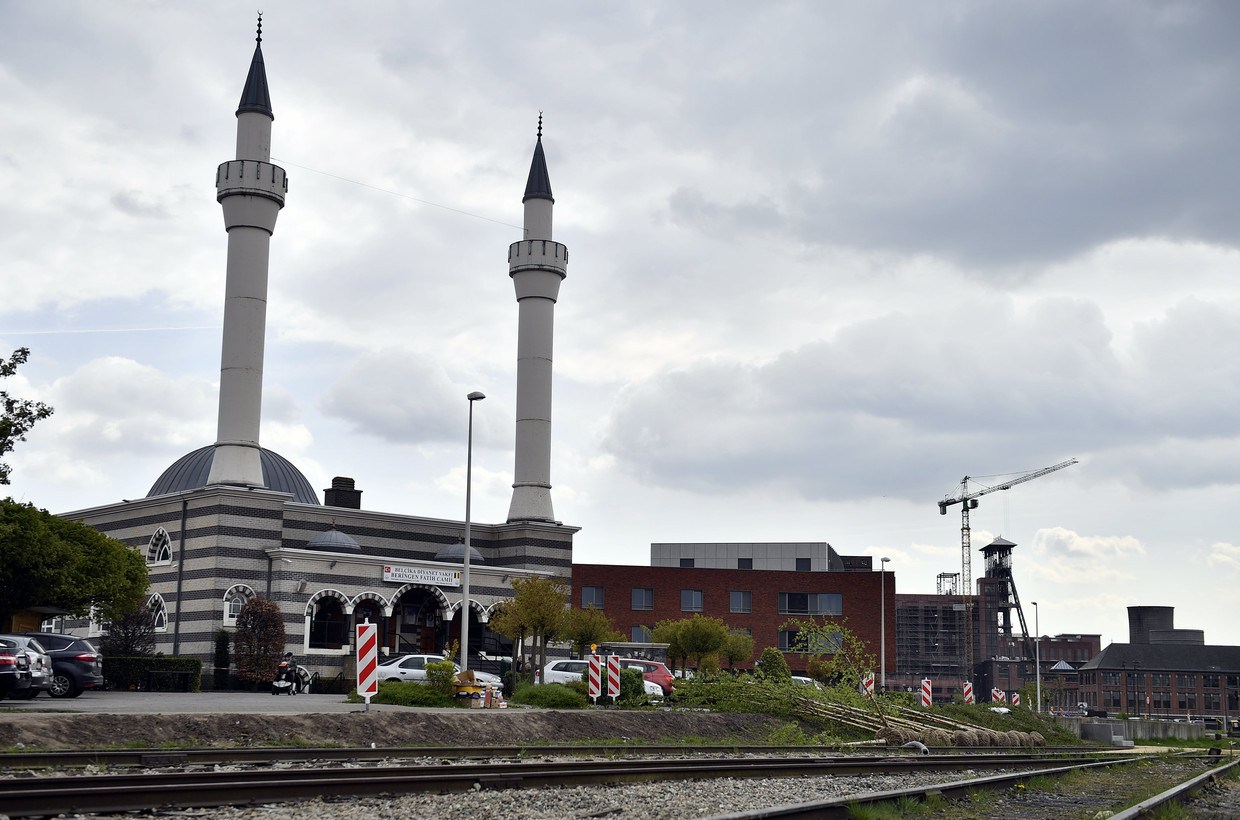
point(232, 520)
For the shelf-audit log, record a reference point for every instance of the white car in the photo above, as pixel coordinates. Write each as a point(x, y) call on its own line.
point(413, 667)
point(565, 671)
point(570, 671)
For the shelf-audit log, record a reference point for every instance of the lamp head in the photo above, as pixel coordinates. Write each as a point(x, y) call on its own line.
point(475, 396)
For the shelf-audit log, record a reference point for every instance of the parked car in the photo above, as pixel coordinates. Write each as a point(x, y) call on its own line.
point(565, 671)
point(571, 670)
point(76, 663)
point(804, 681)
point(40, 666)
point(653, 671)
point(413, 667)
point(14, 669)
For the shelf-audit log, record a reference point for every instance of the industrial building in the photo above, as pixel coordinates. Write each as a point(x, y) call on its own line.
point(1163, 671)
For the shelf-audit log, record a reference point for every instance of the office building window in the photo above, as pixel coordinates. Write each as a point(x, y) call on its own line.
point(686, 562)
point(591, 597)
point(802, 565)
point(640, 634)
point(643, 598)
point(691, 600)
point(1183, 681)
point(740, 601)
point(790, 640)
point(811, 603)
point(744, 563)
point(1209, 681)
point(1187, 702)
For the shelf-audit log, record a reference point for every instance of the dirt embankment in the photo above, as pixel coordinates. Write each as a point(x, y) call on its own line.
point(386, 728)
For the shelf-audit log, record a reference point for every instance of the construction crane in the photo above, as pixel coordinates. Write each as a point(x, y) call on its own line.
point(968, 501)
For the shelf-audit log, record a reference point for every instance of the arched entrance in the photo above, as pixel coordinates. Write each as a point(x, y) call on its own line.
point(369, 607)
point(417, 621)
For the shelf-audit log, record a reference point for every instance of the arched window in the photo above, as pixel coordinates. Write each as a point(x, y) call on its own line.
point(234, 599)
point(159, 612)
point(159, 550)
point(327, 625)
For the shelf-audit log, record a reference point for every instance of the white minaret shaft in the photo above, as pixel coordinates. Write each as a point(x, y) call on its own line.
point(251, 191)
point(537, 265)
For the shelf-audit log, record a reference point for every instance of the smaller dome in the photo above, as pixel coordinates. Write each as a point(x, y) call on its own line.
point(455, 554)
point(333, 541)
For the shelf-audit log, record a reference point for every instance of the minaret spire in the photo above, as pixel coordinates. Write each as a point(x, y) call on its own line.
point(251, 191)
point(538, 186)
point(537, 265)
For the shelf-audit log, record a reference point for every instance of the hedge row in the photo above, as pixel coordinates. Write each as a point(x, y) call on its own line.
point(150, 673)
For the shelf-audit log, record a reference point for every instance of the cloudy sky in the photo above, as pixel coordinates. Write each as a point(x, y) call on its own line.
point(826, 260)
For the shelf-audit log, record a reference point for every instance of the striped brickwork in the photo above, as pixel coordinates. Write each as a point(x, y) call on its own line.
point(256, 538)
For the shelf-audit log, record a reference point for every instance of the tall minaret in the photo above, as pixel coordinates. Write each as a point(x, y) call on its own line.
point(537, 266)
point(251, 190)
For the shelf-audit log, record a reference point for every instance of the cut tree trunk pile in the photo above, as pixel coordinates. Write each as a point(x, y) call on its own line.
point(907, 725)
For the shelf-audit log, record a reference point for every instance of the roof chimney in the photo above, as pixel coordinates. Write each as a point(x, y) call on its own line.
point(342, 494)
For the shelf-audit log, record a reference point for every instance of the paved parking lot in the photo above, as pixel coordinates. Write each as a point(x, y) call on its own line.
point(167, 703)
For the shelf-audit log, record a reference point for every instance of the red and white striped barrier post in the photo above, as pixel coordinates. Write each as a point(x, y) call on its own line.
point(1016, 698)
point(594, 678)
point(968, 691)
point(927, 693)
point(998, 696)
point(613, 676)
point(367, 661)
point(867, 685)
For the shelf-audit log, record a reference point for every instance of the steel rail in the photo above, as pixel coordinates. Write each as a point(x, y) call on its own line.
point(151, 757)
point(26, 797)
point(952, 790)
point(1175, 794)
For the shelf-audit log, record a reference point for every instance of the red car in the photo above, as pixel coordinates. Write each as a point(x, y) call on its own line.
point(653, 671)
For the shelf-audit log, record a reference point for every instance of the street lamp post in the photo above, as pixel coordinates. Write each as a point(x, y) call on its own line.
point(882, 627)
point(469, 475)
point(1037, 654)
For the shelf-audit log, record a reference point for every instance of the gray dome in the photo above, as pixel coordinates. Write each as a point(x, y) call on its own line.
point(191, 471)
point(333, 541)
point(455, 554)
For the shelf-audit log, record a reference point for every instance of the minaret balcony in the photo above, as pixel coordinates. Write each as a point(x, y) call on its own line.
point(538, 254)
point(252, 178)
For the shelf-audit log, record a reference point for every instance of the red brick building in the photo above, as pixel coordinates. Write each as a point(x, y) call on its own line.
point(757, 601)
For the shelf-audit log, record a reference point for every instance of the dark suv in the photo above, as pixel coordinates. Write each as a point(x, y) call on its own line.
point(76, 664)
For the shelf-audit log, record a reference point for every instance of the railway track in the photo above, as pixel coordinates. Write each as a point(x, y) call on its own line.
point(186, 787)
point(956, 793)
point(165, 758)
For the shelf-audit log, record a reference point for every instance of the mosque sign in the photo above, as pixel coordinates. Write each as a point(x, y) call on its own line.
point(422, 575)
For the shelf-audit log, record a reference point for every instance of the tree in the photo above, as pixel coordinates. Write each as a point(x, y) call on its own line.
point(259, 640)
point(132, 635)
point(737, 649)
point(703, 637)
point(669, 632)
point(51, 561)
point(536, 610)
point(584, 627)
point(17, 416)
point(836, 655)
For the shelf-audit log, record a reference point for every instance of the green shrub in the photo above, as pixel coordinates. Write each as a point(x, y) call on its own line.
point(440, 675)
point(550, 696)
point(772, 665)
point(407, 693)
